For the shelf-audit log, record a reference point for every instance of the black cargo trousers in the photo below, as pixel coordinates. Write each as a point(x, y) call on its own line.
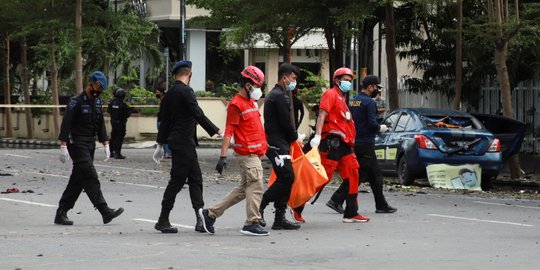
point(369, 171)
point(84, 175)
point(118, 132)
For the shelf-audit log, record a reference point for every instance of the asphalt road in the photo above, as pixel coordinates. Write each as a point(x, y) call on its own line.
point(432, 229)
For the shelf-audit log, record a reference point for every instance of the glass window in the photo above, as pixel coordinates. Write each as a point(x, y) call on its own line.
point(402, 123)
point(391, 120)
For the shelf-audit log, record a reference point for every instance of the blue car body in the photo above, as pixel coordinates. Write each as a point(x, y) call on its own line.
point(418, 137)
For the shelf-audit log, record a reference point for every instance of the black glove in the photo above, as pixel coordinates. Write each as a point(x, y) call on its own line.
point(222, 163)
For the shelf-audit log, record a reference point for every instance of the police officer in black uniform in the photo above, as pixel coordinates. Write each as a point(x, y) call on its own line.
point(119, 112)
point(280, 132)
point(83, 120)
point(181, 113)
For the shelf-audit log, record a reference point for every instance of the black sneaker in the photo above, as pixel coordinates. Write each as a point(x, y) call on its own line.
point(165, 227)
point(335, 206)
point(388, 210)
point(208, 222)
point(254, 229)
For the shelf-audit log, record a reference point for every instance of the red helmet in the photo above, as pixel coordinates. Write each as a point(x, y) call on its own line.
point(343, 71)
point(254, 74)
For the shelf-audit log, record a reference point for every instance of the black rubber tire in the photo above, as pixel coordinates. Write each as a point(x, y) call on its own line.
point(404, 176)
point(487, 181)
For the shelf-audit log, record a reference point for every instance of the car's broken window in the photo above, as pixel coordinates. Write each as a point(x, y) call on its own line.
point(453, 122)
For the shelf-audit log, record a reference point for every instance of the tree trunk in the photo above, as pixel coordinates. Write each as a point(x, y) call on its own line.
point(26, 89)
point(393, 97)
point(78, 56)
point(459, 47)
point(329, 35)
point(501, 52)
point(339, 44)
point(54, 86)
point(7, 91)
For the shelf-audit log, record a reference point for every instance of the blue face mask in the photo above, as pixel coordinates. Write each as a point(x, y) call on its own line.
point(345, 86)
point(292, 85)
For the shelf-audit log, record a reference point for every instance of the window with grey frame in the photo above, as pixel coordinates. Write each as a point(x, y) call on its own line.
point(404, 123)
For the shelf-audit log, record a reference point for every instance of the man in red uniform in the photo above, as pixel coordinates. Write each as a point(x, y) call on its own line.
point(334, 135)
point(244, 123)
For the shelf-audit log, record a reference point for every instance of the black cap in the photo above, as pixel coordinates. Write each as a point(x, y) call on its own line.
point(179, 64)
point(371, 80)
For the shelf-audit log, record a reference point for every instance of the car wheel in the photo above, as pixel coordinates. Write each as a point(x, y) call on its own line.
point(487, 181)
point(405, 177)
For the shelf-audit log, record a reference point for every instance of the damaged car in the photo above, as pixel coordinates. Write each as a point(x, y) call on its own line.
point(418, 137)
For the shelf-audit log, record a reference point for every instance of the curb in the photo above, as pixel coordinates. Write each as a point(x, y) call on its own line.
point(203, 144)
point(28, 142)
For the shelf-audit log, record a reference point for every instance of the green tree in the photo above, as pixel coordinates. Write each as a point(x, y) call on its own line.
point(277, 22)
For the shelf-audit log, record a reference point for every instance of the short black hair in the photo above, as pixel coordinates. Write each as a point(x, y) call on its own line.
point(286, 69)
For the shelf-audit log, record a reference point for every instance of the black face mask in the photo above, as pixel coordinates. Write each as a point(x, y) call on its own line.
point(158, 95)
point(375, 93)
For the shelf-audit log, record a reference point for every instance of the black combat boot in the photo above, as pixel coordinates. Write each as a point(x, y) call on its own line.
point(163, 225)
point(199, 227)
point(263, 205)
point(108, 213)
point(118, 155)
point(281, 223)
point(61, 217)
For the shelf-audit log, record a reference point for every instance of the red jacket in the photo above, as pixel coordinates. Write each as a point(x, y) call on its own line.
point(339, 121)
point(244, 122)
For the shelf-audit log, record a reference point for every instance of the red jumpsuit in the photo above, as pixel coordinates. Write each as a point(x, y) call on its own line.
point(338, 134)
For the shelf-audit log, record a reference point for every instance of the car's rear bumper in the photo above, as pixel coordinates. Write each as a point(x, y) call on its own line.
point(491, 163)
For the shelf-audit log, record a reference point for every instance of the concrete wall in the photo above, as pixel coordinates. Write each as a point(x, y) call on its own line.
point(137, 125)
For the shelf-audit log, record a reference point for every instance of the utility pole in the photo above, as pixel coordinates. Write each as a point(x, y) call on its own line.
point(182, 30)
point(78, 56)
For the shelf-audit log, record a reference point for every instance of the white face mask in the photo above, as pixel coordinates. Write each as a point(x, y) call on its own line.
point(256, 94)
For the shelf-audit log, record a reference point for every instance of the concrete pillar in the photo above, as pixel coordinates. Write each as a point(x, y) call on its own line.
point(272, 65)
point(196, 53)
point(247, 58)
point(325, 65)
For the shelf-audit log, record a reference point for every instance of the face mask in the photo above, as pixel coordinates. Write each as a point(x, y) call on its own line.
point(292, 85)
point(256, 94)
point(375, 93)
point(345, 86)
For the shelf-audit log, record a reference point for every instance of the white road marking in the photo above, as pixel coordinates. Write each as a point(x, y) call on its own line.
point(13, 155)
point(27, 202)
point(138, 185)
point(67, 177)
point(482, 220)
point(155, 221)
point(125, 168)
point(508, 205)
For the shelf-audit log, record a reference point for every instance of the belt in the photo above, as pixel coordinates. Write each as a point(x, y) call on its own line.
point(84, 138)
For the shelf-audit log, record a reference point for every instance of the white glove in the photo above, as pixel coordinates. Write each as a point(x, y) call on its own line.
point(301, 137)
point(64, 154)
point(158, 154)
point(107, 152)
point(383, 128)
point(280, 159)
point(315, 141)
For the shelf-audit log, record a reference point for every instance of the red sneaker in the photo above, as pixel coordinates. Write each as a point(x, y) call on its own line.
point(357, 218)
point(297, 216)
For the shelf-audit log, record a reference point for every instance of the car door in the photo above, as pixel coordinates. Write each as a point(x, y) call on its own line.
point(510, 132)
point(382, 138)
point(396, 139)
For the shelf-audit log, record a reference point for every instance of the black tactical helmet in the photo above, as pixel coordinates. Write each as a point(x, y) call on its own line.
point(120, 93)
